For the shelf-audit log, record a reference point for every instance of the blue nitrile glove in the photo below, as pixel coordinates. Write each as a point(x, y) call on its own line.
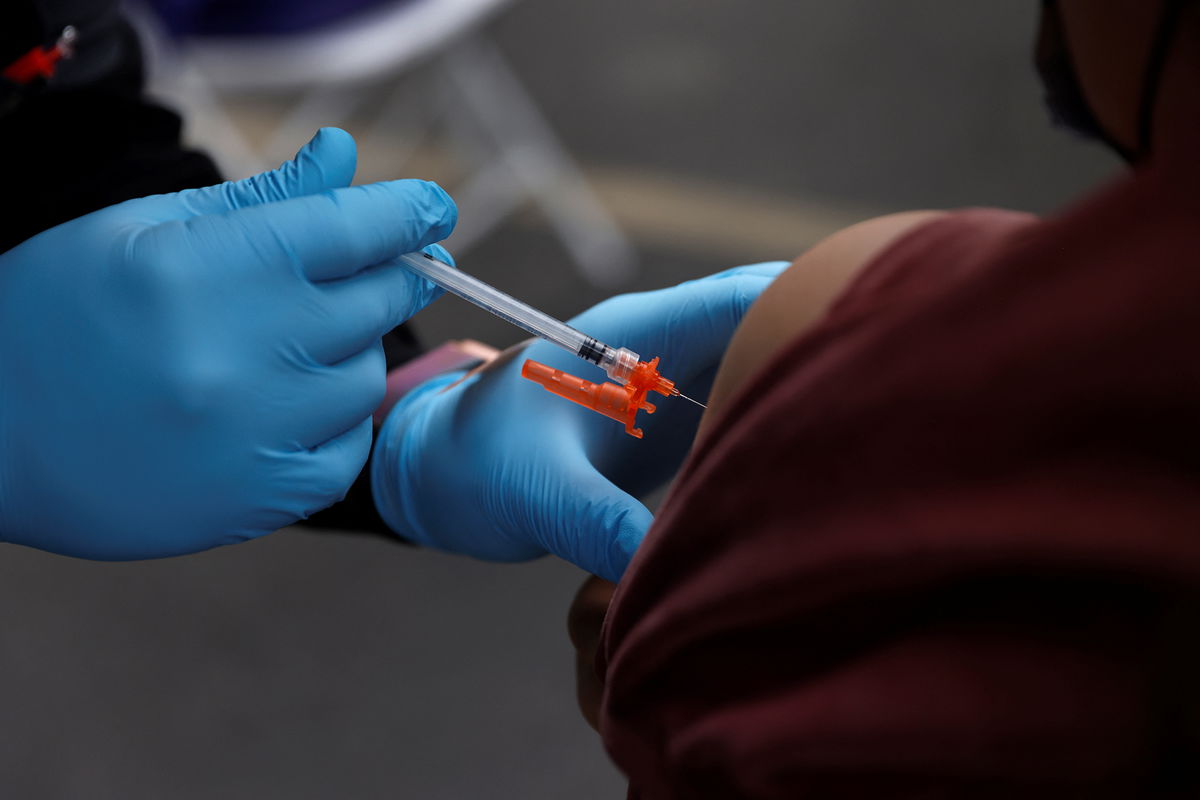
point(499, 468)
point(195, 369)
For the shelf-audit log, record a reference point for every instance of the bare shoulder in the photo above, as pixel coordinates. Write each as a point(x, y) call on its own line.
point(799, 297)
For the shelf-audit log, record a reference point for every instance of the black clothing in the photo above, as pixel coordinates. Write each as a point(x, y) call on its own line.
point(88, 137)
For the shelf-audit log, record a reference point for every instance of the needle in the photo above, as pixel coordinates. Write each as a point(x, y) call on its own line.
point(690, 400)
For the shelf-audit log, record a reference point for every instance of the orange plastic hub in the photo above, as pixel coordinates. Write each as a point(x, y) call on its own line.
point(610, 399)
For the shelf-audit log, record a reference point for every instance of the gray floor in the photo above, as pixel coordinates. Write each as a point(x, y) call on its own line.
point(304, 666)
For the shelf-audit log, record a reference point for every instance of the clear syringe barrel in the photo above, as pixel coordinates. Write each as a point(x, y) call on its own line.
point(617, 362)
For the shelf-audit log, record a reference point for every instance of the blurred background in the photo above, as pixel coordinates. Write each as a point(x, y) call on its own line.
point(595, 146)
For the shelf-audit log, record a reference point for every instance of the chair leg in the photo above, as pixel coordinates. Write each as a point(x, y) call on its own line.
point(497, 102)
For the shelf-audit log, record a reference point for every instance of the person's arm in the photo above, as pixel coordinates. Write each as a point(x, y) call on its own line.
point(799, 298)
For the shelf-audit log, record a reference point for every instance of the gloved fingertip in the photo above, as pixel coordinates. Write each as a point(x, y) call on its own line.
point(768, 269)
point(332, 132)
point(633, 523)
point(440, 253)
point(442, 211)
point(764, 269)
point(332, 153)
point(418, 212)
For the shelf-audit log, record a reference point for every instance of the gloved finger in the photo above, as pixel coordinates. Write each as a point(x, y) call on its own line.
point(334, 399)
point(688, 325)
point(321, 476)
point(709, 316)
point(363, 307)
point(327, 162)
point(334, 234)
point(602, 527)
point(765, 269)
point(440, 253)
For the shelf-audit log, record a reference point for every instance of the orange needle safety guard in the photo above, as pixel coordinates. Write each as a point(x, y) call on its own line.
point(621, 403)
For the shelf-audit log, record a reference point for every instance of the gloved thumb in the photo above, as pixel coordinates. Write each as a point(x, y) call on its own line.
point(327, 162)
point(606, 530)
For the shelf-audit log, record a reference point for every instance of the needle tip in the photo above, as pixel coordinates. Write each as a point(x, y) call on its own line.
point(690, 400)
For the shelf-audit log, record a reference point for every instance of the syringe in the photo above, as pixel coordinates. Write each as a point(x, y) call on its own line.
point(618, 362)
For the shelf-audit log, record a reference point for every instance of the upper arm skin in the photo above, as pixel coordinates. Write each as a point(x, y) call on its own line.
point(799, 297)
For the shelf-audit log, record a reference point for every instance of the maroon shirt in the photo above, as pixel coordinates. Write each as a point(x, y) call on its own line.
point(947, 544)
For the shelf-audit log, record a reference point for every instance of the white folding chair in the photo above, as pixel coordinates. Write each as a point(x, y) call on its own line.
point(469, 87)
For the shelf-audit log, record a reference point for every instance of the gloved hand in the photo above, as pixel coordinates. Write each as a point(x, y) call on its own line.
point(499, 468)
point(195, 369)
